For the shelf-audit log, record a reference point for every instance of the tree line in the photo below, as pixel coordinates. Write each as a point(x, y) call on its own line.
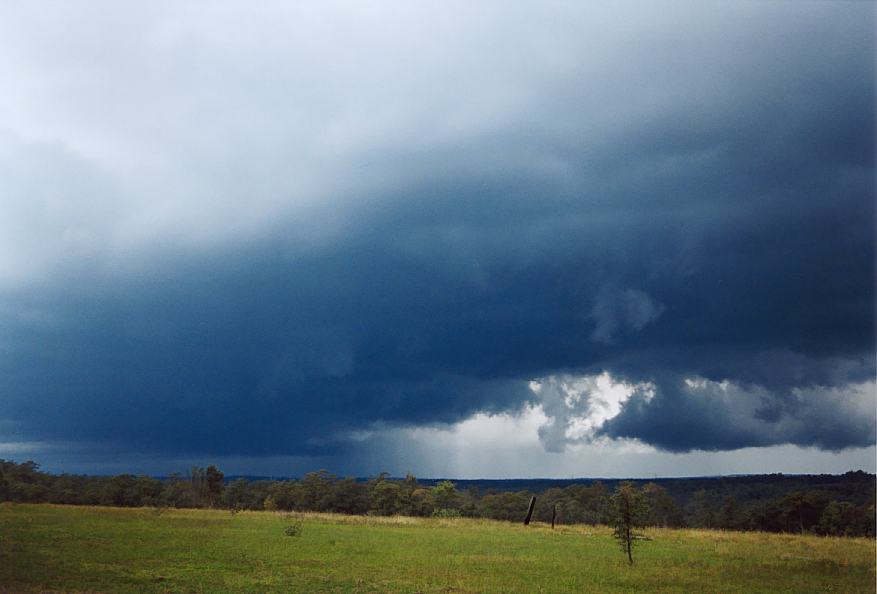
point(846, 512)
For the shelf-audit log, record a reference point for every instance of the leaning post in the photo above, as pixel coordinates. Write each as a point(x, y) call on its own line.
point(530, 511)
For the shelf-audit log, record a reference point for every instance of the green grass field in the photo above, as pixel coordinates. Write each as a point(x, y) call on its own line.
point(48, 548)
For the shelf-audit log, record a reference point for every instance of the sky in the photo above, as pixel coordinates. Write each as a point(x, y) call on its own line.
point(474, 240)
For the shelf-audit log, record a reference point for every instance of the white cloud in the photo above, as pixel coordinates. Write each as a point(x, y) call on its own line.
point(509, 445)
point(577, 406)
point(213, 124)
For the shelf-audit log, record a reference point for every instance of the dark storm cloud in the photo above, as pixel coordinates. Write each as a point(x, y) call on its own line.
point(699, 205)
point(720, 416)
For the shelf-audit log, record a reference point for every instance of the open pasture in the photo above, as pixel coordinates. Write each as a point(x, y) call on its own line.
point(49, 548)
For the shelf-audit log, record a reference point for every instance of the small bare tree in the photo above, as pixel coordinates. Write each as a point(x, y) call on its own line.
point(629, 512)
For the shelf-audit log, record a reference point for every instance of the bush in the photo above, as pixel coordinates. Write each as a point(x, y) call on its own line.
point(293, 529)
point(446, 512)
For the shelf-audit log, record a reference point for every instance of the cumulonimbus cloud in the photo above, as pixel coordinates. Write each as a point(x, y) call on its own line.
point(244, 231)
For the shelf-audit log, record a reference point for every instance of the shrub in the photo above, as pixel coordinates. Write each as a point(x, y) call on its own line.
point(446, 512)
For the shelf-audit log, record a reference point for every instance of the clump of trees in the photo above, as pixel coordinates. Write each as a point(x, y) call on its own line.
point(844, 507)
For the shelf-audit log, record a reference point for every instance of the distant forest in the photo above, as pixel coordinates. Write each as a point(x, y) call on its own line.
point(836, 505)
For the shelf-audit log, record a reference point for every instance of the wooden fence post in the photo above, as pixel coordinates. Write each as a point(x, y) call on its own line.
point(553, 515)
point(530, 511)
